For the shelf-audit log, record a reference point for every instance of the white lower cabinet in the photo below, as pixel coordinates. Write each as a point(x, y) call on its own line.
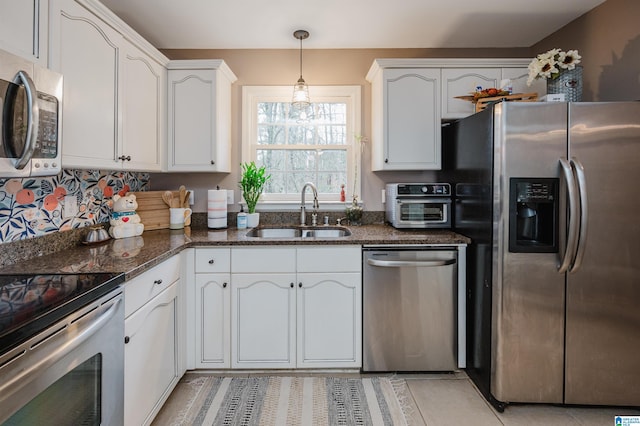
point(284, 307)
point(152, 351)
point(213, 329)
point(329, 320)
point(263, 320)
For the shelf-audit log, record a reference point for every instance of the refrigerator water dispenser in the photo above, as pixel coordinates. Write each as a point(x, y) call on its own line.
point(533, 215)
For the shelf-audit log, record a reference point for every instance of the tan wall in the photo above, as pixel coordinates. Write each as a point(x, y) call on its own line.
point(608, 38)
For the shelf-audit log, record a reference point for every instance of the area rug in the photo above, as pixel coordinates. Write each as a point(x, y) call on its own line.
point(282, 400)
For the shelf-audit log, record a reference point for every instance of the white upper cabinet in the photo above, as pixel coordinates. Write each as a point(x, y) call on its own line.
point(463, 82)
point(143, 110)
point(114, 92)
point(410, 97)
point(406, 118)
point(199, 116)
point(23, 29)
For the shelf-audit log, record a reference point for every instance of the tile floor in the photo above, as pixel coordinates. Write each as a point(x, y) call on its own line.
point(453, 399)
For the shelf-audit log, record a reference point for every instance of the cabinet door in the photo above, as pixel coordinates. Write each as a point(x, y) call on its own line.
point(150, 357)
point(329, 320)
point(263, 320)
point(411, 120)
point(192, 120)
point(519, 76)
point(142, 110)
point(213, 328)
point(463, 82)
point(85, 50)
point(23, 29)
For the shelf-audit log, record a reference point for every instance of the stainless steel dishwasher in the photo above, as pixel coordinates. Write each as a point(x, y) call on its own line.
point(409, 309)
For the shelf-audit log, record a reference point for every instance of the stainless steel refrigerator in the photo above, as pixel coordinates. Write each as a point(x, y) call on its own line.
point(550, 195)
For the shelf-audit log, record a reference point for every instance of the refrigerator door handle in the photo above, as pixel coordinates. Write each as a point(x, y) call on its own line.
point(582, 228)
point(572, 223)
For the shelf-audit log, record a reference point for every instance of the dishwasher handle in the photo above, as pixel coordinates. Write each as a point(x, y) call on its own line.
point(410, 263)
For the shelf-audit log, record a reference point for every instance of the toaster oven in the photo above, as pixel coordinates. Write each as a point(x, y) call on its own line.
point(418, 205)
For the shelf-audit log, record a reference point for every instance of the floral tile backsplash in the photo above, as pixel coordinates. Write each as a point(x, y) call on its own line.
point(31, 207)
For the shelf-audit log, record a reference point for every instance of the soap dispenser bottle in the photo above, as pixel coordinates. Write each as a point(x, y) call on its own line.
point(242, 219)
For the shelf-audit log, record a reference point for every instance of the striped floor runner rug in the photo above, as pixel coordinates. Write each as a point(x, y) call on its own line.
point(276, 400)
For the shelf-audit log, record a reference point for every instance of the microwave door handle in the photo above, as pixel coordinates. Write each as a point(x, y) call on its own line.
point(572, 222)
point(33, 117)
point(582, 191)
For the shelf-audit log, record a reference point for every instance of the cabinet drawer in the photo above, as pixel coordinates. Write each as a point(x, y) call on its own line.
point(147, 285)
point(263, 259)
point(213, 259)
point(329, 259)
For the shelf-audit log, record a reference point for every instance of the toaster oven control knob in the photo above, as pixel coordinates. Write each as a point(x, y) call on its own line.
point(425, 189)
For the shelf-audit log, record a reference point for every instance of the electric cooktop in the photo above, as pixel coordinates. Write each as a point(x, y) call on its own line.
point(30, 303)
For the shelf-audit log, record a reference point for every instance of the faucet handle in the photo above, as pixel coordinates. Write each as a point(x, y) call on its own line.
point(326, 220)
point(314, 219)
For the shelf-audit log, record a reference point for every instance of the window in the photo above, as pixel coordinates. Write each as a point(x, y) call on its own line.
point(319, 149)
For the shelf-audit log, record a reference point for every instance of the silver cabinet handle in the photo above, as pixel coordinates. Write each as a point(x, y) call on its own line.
point(33, 118)
point(572, 238)
point(582, 228)
point(26, 376)
point(401, 263)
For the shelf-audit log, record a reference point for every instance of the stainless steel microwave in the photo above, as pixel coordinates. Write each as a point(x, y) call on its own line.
point(31, 111)
point(418, 205)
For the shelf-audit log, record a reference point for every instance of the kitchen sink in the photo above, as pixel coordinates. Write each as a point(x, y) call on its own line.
point(300, 232)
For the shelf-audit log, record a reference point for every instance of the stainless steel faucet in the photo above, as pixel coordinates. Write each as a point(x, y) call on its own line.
point(316, 206)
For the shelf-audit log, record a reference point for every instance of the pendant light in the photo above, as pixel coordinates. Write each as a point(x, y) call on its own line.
point(300, 90)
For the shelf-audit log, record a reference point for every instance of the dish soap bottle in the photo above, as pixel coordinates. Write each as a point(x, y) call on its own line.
point(242, 219)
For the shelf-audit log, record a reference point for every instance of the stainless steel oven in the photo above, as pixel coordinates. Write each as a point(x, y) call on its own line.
point(70, 372)
point(418, 205)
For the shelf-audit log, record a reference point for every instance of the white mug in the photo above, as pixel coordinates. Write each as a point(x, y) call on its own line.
point(177, 216)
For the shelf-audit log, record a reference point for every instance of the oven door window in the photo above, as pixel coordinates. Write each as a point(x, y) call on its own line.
point(72, 400)
point(421, 212)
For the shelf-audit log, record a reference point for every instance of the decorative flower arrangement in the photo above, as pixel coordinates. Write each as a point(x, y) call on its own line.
point(550, 64)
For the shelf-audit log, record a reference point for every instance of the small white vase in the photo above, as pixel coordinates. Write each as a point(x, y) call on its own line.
point(253, 219)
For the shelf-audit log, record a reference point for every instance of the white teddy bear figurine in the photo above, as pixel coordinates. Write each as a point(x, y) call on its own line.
point(124, 220)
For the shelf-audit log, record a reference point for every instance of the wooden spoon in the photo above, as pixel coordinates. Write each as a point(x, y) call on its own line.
point(183, 191)
point(167, 197)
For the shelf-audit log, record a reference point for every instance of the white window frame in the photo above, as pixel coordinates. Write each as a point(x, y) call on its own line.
point(351, 95)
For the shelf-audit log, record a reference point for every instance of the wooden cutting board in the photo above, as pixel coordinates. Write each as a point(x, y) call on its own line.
point(153, 211)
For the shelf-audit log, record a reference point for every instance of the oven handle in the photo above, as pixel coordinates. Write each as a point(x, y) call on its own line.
point(403, 263)
point(26, 376)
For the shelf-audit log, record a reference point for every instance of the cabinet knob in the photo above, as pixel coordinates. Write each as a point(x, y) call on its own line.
point(158, 282)
point(224, 285)
point(292, 285)
point(212, 261)
point(126, 339)
point(386, 160)
point(213, 162)
point(123, 158)
point(300, 285)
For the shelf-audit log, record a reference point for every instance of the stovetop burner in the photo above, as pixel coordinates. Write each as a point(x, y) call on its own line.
point(30, 303)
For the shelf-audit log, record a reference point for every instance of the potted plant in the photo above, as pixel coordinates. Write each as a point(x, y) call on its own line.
point(252, 183)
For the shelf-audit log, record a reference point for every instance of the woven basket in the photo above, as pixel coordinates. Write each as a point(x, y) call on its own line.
point(568, 82)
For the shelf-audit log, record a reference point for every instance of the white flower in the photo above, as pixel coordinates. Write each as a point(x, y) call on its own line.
point(569, 60)
point(549, 64)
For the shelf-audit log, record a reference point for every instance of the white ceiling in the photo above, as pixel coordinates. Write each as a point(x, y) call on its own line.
point(338, 24)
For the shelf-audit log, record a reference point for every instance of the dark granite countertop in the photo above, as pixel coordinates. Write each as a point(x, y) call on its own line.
point(137, 254)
